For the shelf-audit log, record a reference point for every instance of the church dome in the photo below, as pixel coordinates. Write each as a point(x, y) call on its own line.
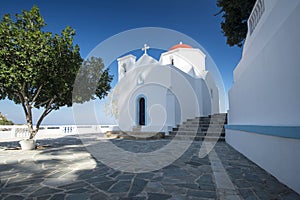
point(180, 45)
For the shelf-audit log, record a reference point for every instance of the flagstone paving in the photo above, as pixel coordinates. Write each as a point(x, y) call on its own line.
point(66, 170)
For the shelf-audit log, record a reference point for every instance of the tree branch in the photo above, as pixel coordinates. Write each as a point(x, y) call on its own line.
point(44, 102)
point(22, 103)
point(37, 93)
point(47, 110)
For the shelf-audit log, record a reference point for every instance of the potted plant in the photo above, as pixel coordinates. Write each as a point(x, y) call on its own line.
point(28, 144)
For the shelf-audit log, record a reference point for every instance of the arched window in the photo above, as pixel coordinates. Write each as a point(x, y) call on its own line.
point(141, 111)
point(124, 67)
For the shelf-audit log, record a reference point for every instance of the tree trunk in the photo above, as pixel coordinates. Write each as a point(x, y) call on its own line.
point(32, 131)
point(27, 107)
point(47, 110)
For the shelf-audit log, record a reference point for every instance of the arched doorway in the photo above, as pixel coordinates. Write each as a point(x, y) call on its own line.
point(141, 111)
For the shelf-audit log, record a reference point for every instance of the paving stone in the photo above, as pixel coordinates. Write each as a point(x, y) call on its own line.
point(67, 171)
point(57, 182)
point(99, 195)
point(248, 194)
point(58, 197)
point(75, 185)
point(179, 197)
point(158, 196)
point(12, 190)
point(137, 187)
point(43, 197)
point(262, 194)
point(242, 183)
point(2, 196)
point(44, 191)
point(146, 176)
point(5, 167)
point(133, 198)
point(154, 187)
point(202, 193)
point(174, 190)
point(100, 179)
point(79, 190)
point(77, 197)
point(205, 179)
point(290, 196)
point(24, 182)
point(59, 174)
point(120, 186)
point(209, 187)
point(115, 174)
point(187, 185)
point(31, 189)
point(14, 197)
point(125, 177)
point(105, 185)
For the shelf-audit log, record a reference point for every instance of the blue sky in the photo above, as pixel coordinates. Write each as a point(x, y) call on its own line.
point(95, 21)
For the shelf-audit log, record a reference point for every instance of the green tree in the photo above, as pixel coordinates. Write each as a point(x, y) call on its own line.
point(38, 68)
point(4, 120)
point(235, 14)
point(88, 84)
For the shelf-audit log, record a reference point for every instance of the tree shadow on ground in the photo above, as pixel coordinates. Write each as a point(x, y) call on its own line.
point(66, 170)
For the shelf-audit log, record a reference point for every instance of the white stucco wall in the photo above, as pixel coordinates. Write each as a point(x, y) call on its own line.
point(279, 156)
point(213, 92)
point(128, 62)
point(191, 61)
point(158, 80)
point(173, 93)
point(266, 92)
point(266, 81)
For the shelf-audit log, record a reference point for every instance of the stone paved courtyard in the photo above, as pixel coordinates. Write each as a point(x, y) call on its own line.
point(66, 170)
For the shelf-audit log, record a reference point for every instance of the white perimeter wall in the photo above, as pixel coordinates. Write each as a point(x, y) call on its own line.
point(266, 81)
point(279, 156)
point(266, 91)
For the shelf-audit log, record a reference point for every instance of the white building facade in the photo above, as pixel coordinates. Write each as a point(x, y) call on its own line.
point(157, 95)
point(264, 102)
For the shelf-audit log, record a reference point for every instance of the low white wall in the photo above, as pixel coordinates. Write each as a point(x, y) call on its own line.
point(279, 156)
point(17, 132)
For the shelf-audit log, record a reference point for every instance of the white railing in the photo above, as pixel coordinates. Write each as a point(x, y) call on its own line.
point(255, 15)
point(21, 131)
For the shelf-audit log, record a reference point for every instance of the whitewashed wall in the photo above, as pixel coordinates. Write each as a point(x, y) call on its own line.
point(266, 92)
point(158, 80)
point(266, 81)
point(277, 155)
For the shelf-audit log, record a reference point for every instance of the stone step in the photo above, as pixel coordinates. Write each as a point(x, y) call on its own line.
point(137, 135)
point(205, 122)
point(211, 127)
point(192, 133)
point(136, 129)
point(220, 114)
point(199, 129)
point(188, 133)
point(202, 126)
point(197, 138)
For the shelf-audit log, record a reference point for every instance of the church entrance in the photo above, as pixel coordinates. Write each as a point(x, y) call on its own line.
point(142, 111)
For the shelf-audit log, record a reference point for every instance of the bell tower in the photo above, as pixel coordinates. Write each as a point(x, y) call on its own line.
point(125, 64)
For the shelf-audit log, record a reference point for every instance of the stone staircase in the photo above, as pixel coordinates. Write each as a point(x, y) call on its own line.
point(210, 128)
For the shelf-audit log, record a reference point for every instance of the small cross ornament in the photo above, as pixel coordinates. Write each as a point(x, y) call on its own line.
point(145, 48)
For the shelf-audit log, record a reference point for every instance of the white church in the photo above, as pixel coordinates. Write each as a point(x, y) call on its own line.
point(157, 95)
